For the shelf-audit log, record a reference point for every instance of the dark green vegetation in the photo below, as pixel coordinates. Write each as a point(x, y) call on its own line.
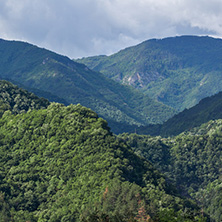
point(177, 71)
point(207, 109)
point(44, 70)
point(18, 100)
point(192, 161)
point(63, 164)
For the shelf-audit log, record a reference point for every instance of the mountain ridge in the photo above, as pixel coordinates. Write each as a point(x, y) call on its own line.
point(45, 70)
point(178, 71)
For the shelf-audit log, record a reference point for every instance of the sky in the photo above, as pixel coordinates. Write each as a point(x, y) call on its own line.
point(81, 28)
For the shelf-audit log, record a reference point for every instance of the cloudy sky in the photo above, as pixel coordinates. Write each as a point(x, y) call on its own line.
point(79, 28)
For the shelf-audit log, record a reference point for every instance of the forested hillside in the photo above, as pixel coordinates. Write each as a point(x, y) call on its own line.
point(44, 70)
point(18, 100)
point(63, 164)
point(178, 71)
point(207, 109)
point(191, 161)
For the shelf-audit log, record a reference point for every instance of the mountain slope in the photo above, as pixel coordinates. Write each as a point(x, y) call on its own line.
point(209, 108)
point(63, 164)
point(177, 71)
point(191, 160)
point(44, 70)
point(40, 93)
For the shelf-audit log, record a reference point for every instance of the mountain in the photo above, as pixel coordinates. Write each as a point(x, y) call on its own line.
point(191, 161)
point(209, 108)
point(63, 164)
point(178, 71)
point(44, 70)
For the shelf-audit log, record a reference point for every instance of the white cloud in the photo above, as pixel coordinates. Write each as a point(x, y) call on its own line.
point(89, 27)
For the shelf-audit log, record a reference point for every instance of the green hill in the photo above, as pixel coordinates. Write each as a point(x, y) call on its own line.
point(191, 161)
point(63, 164)
point(178, 71)
point(44, 70)
point(209, 108)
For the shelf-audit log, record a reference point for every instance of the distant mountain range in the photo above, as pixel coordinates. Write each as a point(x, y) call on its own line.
point(57, 75)
point(178, 71)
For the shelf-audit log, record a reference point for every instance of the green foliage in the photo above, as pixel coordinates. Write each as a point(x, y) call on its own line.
point(18, 100)
point(191, 161)
point(177, 71)
point(210, 198)
point(151, 148)
point(58, 75)
point(63, 164)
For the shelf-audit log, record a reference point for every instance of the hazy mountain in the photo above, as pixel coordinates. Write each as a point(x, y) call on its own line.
point(178, 71)
point(44, 70)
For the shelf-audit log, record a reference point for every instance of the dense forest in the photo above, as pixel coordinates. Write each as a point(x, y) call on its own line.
point(62, 163)
point(191, 161)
